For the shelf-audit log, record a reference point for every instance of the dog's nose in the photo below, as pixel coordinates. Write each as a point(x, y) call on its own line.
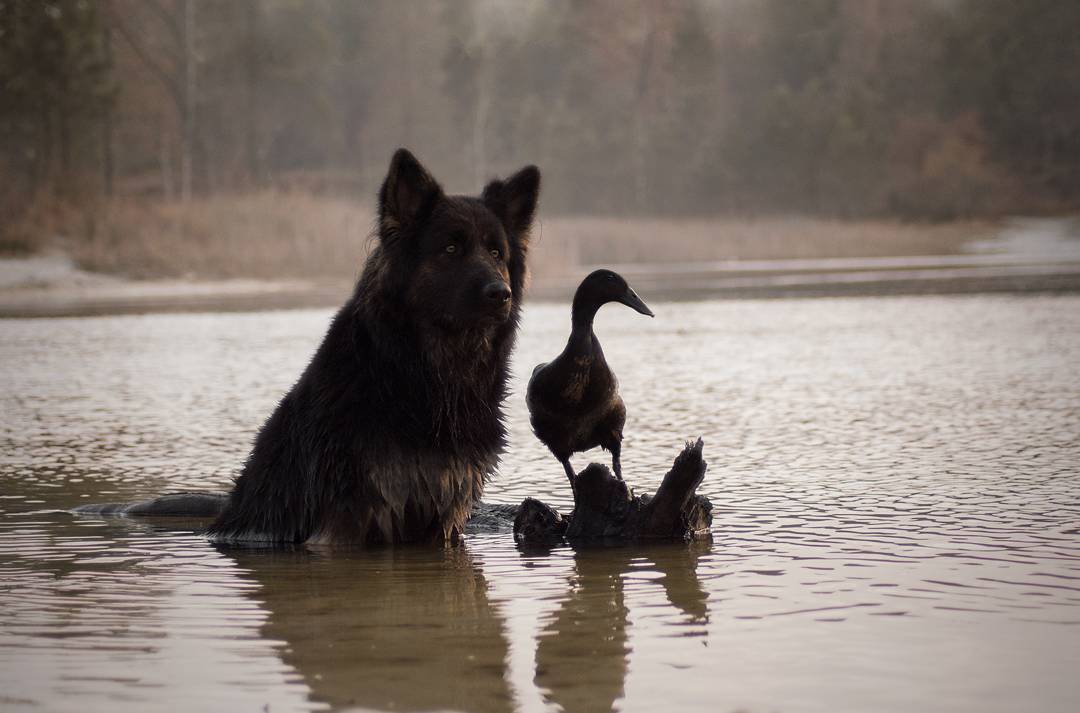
point(497, 292)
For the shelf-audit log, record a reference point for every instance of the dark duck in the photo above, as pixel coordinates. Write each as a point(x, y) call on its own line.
point(574, 401)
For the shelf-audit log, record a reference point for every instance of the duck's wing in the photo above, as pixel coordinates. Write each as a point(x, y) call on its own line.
point(546, 393)
point(537, 369)
point(532, 391)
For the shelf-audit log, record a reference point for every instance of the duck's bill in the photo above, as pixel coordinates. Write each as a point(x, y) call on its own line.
point(631, 300)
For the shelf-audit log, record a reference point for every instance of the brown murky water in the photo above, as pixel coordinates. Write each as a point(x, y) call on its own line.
point(897, 492)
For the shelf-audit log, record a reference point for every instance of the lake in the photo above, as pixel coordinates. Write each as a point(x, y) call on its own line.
point(896, 491)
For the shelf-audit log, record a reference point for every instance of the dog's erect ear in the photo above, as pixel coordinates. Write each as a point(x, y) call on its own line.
point(407, 195)
point(514, 200)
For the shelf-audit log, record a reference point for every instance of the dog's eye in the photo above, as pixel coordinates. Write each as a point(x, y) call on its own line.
point(496, 253)
point(451, 248)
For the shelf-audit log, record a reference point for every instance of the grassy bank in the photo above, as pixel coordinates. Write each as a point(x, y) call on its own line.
point(263, 235)
point(590, 241)
point(274, 234)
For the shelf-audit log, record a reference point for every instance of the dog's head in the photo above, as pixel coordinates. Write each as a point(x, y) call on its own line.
point(461, 259)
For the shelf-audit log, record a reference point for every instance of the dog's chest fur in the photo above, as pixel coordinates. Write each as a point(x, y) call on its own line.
point(418, 495)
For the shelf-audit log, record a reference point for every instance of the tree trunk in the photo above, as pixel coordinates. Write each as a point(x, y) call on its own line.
point(187, 114)
point(251, 83)
point(165, 161)
point(108, 169)
point(641, 132)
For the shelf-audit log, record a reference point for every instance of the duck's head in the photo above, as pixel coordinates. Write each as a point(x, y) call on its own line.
point(603, 286)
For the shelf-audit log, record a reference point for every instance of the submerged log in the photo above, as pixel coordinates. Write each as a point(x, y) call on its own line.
point(605, 509)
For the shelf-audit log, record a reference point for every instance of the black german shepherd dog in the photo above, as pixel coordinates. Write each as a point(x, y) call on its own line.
point(396, 424)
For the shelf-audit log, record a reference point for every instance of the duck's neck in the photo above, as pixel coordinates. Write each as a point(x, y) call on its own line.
point(581, 321)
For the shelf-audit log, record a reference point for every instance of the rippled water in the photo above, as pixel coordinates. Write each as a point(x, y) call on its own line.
point(897, 496)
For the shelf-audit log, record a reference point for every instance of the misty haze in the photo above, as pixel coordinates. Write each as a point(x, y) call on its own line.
point(857, 224)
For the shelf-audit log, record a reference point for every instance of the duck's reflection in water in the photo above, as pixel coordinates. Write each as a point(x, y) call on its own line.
point(410, 629)
point(583, 652)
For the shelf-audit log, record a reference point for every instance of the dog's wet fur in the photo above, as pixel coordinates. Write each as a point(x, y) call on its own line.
point(392, 430)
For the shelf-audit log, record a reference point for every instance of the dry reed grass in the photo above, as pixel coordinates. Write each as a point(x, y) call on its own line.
point(30, 227)
point(275, 234)
point(268, 234)
point(566, 242)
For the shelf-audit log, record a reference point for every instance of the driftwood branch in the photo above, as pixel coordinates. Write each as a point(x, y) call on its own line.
point(604, 507)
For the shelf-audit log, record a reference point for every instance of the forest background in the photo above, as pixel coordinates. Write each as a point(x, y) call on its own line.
point(248, 137)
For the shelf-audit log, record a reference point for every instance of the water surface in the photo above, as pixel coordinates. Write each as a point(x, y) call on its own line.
point(897, 524)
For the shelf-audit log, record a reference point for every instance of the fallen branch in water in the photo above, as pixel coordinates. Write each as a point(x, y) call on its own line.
point(605, 509)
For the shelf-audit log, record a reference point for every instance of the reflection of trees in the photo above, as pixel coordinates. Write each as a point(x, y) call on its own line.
point(583, 652)
point(408, 629)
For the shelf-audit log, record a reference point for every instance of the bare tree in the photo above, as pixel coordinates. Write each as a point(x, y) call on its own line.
point(187, 116)
point(170, 57)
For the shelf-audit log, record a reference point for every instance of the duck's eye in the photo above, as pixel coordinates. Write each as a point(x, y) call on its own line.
point(451, 249)
point(496, 253)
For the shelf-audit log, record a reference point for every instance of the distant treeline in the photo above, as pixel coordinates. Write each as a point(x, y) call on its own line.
point(918, 109)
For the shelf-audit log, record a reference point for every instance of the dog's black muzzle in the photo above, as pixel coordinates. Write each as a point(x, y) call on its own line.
point(496, 299)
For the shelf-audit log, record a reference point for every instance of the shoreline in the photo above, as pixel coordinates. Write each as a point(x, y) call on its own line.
point(92, 295)
point(1022, 256)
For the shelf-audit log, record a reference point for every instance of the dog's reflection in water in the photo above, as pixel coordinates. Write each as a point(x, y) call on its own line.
point(583, 651)
point(409, 629)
